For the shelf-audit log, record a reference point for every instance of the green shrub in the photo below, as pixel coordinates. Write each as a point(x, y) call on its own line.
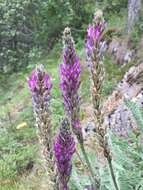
point(15, 152)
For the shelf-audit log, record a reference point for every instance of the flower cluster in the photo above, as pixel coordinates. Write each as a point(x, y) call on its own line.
point(40, 87)
point(40, 84)
point(64, 149)
point(95, 45)
point(70, 81)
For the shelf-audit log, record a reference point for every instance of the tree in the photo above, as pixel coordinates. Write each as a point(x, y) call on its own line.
point(134, 11)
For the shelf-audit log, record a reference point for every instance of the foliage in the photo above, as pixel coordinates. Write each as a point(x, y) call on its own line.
point(15, 33)
point(18, 147)
point(128, 160)
point(136, 111)
point(15, 153)
point(128, 153)
point(30, 25)
point(27, 27)
point(114, 5)
point(33, 20)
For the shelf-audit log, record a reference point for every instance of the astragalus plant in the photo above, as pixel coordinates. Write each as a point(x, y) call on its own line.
point(58, 152)
point(40, 87)
point(70, 71)
point(95, 47)
point(64, 148)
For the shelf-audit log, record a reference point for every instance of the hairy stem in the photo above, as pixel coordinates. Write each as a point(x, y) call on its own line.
point(78, 155)
point(95, 181)
point(112, 172)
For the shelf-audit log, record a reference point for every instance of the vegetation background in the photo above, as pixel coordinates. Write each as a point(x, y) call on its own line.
point(31, 33)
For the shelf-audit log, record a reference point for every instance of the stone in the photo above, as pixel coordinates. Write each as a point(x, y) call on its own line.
point(118, 117)
point(88, 128)
point(121, 50)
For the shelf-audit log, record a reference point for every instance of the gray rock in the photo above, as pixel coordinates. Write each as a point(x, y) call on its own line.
point(89, 128)
point(117, 115)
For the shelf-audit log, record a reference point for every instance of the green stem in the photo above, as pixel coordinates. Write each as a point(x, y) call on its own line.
point(78, 155)
point(95, 181)
point(112, 172)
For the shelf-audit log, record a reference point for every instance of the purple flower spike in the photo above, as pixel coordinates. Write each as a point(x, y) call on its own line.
point(70, 81)
point(39, 81)
point(33, 81)
point(64, 148)
point(40, 87)
point(94, 35)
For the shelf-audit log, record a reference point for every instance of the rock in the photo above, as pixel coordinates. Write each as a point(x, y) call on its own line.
point(89, 128)
point(139, 51)
point(128, 56)
point(121, 51)
point(114, 46)
point(117, 115)
point(121, 121)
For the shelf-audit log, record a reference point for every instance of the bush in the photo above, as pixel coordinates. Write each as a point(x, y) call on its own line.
point(36, 24)
point(15, 155)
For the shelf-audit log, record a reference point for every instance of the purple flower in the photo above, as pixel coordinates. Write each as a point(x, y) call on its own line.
point(39, 81)
point(32, 82)
point(93, 35)
point(64, 148)
point(70, 81)
point(40, 87)
point(94, 43)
